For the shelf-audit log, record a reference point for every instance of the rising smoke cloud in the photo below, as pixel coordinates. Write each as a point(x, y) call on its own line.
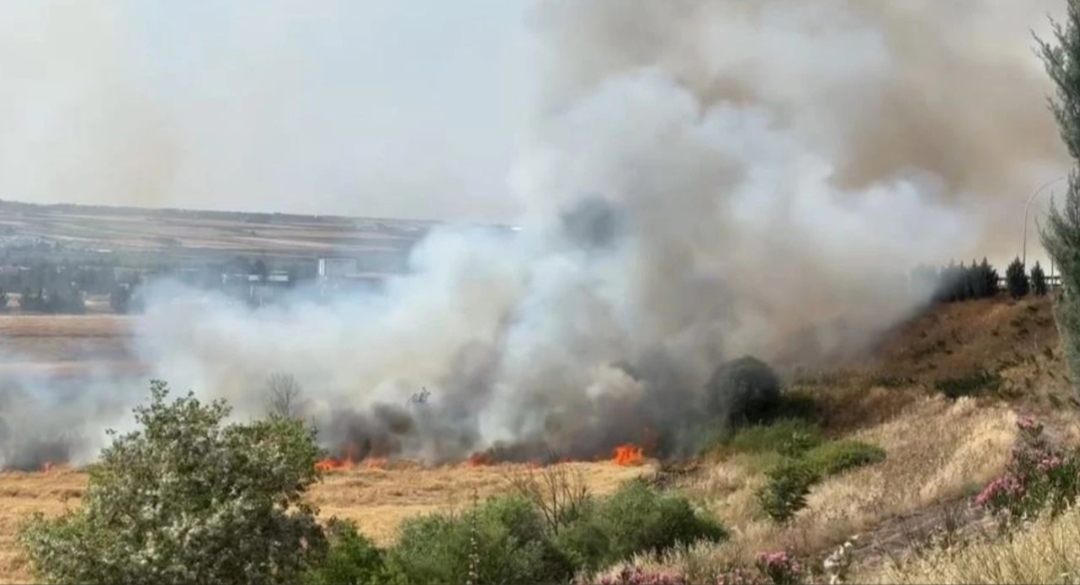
point(703, 180)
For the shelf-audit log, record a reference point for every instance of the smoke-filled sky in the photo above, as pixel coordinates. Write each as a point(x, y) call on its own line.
point(698, 180)
point(422, 108)
point(355, 107)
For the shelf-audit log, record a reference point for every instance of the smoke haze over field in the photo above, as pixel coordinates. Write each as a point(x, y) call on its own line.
point(698, 180)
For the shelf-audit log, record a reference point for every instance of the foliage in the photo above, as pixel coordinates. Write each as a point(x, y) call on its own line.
point(968, 384)
point(1061, 236)
point(1039, 284)
point(514, 538)
point(1016, 279)
point(505, 536)
point(785, 492)
point(837, 457)
point(1038, 477)
point(743, 391)
point(184, 500)
point(791, 437)
point(636, 519)
point(955, 283)
point(807, 459)
point(352, 558)
point(53, 301)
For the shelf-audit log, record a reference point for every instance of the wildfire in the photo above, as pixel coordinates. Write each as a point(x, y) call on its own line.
point(349, 460)
point(479, 459)
point(628, 455)
point(332, 463)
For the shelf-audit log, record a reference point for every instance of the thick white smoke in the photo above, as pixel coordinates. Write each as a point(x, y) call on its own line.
point(704, 179)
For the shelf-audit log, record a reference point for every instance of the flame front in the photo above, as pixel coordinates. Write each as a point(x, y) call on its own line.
point(628, 455)
point(349, 460)
point(478, 459)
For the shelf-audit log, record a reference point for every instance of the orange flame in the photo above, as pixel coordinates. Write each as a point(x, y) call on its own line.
point(628, 455)
point(479, 459)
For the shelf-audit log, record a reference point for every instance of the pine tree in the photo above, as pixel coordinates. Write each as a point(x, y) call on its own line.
point(990, 276)
point(1061, 237)
point(1016, 279)
point(1038, 280)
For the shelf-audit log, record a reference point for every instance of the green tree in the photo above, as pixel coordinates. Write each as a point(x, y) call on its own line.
point(120, 299)
point(1061, 236)
point(1038, 280)
point(1016, 279)
point(188, 500)
point(990, 278)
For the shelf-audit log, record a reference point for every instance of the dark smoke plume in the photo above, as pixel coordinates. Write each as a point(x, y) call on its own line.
point(702, 180)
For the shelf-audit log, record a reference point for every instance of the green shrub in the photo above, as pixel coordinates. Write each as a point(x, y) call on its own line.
point(504, 537)
point(352, 558)
point(637, 519)
point(186, 500)
point(968, 385)
point(798, 404)
point(743, 391)
point(789, 437)
point(839, 456)
point(788, 485)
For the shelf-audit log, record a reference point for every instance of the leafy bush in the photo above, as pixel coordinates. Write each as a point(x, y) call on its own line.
point(1038, 477)
point(788, 485)
point(500, 541)
point(1038, 280)
point(790, 437)
point(351, 558)
point(968, 385)
point(1016, 279)
point(789, 482)
point(185, 500)
point(839, 456)
point(743, 391)
point(636, 519)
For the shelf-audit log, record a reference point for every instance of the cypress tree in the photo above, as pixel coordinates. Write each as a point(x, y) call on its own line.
point(1016, 279)
point(1038, 280)
point(1061, 236)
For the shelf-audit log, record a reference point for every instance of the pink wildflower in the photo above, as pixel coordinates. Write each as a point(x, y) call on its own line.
point(1025, 422)
point(1048, 463)
point(629, 574)
point(1008, 485)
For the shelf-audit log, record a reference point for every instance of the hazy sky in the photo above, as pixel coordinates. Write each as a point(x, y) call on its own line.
point(324, 106)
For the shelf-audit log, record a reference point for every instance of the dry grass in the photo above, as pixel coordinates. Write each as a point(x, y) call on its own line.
point(78, 326)
point(377, 499)
point(937, 450)
point(1046, 552)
